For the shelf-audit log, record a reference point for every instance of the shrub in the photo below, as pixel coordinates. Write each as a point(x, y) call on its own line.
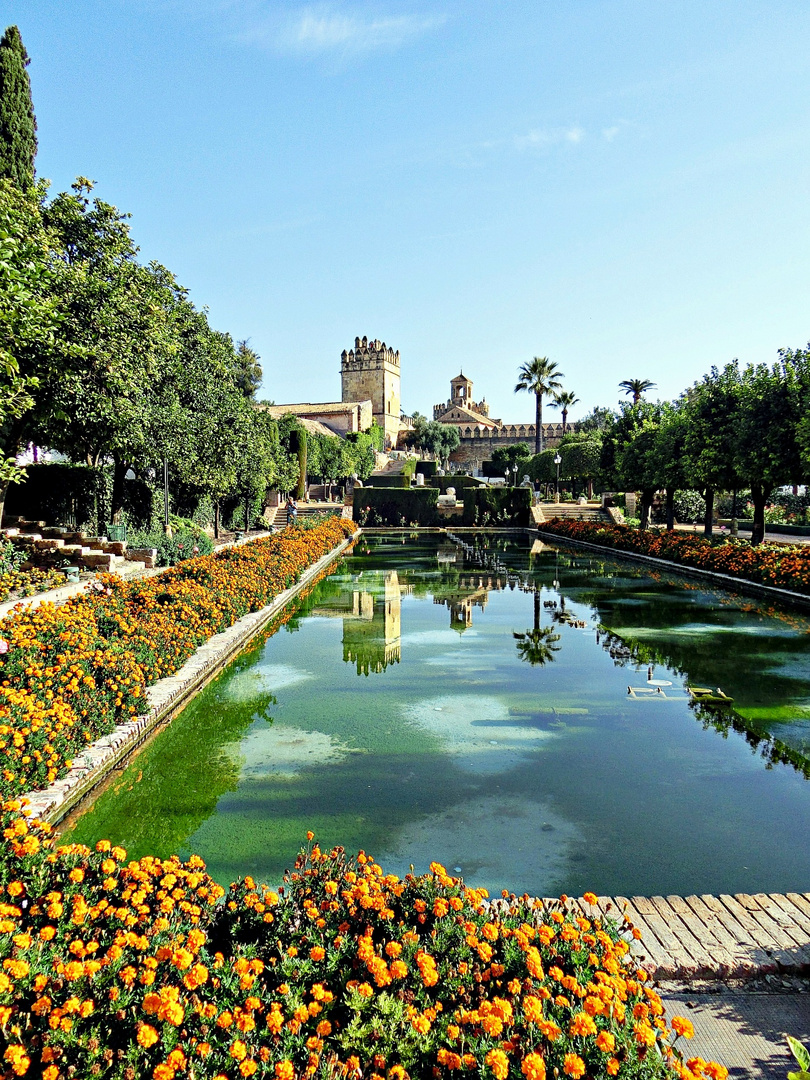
point(497, 506)
point(389, 480)
point(690, 506)
point(427, 468)
point(378, 506)
point(186, 542)
point(459, 482)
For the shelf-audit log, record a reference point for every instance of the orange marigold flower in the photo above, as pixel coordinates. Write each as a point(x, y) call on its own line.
point(606, 1042)
point(574, 1066)
point(682, 1026)
point(284, 1070)
point(533, 1067)
point(499, 1063)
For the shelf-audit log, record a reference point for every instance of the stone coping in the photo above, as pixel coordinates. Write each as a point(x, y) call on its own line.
point(725, 581)
point(166, 698)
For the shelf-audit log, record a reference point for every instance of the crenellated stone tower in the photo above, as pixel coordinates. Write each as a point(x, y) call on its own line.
point(370, 371)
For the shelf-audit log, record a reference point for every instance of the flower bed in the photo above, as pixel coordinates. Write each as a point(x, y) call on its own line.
point(781, 567)
point(149, 969)
point(18, 583)
point(70, 673)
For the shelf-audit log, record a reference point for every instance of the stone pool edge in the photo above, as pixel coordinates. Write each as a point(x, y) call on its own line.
point(726, 581)
point(167, 697)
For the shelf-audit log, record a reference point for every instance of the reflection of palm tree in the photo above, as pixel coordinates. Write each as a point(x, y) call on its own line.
point(537, 647)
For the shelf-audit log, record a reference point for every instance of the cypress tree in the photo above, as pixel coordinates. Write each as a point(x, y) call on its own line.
point(18, 125)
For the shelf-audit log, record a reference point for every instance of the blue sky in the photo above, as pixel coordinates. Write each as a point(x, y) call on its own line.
point(621, 185)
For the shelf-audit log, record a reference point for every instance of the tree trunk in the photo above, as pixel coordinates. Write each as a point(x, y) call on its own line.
point(216, 520)
point(565, 419)
point(670, 509)
point(117, 500)
point(758, 498)
point(247, 517)
point(646, 505)
point(538, 424)
point(537, 607)
point(708, 517)
point(3, 492)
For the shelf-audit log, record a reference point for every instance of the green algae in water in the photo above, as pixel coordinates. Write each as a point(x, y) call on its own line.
point(394, 713)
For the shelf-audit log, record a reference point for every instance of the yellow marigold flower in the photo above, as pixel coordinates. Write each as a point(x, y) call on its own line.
point(499, 1063)
point(284, 1070)
point(612, 1067)
point(533, 1067)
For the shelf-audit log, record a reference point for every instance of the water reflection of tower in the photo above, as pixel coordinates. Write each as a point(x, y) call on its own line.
point(470, 591)
point(371, 634)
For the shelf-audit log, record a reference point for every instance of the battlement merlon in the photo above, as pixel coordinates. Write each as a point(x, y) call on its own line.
point(365, 351)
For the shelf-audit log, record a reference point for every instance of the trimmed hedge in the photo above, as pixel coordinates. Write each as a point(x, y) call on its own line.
point(458, 482)
point(389, 506)
point(427, 468)
point(497, 506)
point(389, 480)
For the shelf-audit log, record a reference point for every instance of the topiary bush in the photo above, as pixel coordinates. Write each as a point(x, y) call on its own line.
point(398, 508)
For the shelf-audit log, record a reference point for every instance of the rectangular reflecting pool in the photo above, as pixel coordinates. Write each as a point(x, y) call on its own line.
point(516, 711)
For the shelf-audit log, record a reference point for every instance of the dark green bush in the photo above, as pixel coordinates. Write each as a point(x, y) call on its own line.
point(389, 506)
point(390, 480)
point(497, 506)
point(457, 482)
point(427, 468)
point(491, 468)
point(185, 542)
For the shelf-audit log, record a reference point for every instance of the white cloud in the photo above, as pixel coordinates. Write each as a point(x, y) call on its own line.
point(610, 133)
point(540, 138)
point(321, 29)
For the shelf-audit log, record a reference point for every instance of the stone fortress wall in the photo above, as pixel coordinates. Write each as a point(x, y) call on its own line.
point(477, 444)
point(371, 371)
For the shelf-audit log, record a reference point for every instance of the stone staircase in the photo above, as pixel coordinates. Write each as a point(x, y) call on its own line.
point(572, 511)
point(310, 509)
point(51, 547)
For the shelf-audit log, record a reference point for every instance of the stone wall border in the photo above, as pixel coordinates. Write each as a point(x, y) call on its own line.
point(167, 697)
point(725, 581)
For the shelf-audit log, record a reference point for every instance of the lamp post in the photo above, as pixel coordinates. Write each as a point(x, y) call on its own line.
point(557, 460)
point(167, 529)
point(514, 475)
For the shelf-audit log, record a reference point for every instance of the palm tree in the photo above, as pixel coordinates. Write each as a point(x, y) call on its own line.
point(636, 387)
point(540, 376)
point(564, 399)
point(537, 647)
